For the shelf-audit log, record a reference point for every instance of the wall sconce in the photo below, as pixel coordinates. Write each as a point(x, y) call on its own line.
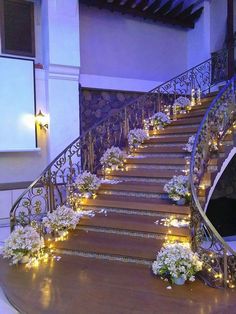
point(42, 120)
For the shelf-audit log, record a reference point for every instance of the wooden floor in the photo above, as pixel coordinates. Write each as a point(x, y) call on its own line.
point(78, 285)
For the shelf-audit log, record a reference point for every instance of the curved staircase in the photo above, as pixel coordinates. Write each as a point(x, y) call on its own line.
point(129, 222)
point(129, 215)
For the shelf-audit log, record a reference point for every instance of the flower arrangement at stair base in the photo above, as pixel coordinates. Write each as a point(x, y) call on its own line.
point(177, 262)
point(61, 220)
point(87, 184)
point(159, 120)
point(23, 245)
point(181, 105)
point(178, 189)
point(136, 137)
point(113, 158)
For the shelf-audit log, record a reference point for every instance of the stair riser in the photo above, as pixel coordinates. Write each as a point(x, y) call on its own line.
point(161, 167)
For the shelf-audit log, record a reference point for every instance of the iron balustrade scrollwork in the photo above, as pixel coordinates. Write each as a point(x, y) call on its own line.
point(50, 189)
point(219, 258)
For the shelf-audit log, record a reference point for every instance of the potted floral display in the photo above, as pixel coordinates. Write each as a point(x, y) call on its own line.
point(113, 158)
point(159, 120)
point(87, 183)
point(178, 189)
point(177, 262)
point(189, 146)
point(60, 220)
point(23, 244)
point(136, 137)
point(181, 104)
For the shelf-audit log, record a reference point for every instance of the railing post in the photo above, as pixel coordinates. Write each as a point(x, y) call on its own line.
point(91, 153)
point(51, 192)
point(225, 268)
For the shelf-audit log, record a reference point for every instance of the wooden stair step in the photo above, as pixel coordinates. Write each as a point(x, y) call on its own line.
point(160, 149)
point(132, 223)
point(187, 120)
point(156, 161)
point(176, 130)
point(134, 203)
point(111, 244)
point(192, 113)
point(147, 187)
point(146, 173)
point(165, 140)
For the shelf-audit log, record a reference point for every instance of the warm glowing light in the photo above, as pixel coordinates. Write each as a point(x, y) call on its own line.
point(28, 120)
point(42, 120)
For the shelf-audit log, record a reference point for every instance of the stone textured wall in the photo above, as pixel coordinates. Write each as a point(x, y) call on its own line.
point(96, 104)
point(226, 186)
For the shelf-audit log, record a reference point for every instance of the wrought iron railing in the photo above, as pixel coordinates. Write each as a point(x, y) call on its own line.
point(219, 258)
point(50, 189)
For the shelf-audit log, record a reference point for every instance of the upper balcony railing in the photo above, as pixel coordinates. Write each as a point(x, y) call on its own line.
point(51, 188)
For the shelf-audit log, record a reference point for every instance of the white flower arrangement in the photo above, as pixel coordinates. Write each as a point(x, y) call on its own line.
point(189, 146)
point(136, 137)
point(178, 188)
point(61, 219)
point(182, 102)
point(177, 260)
point(87, 183)
point(23, 242)
point(113, 156)
point(159, 120)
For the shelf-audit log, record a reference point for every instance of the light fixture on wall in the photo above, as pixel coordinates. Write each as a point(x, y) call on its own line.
point(42, 120)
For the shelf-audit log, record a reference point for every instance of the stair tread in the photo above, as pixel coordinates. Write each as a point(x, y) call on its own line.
point(136, 203)
point(142, 172)
point(135, 186)
point(131, 223)
point(176, 130)
point(167, 139)
point(111, 244)
point(156, 160)
point(160, 149)
point(187, 120)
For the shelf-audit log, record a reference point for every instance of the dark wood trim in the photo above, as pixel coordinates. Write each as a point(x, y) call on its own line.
point(152, 12)
point(230, 37)
point(16, 52)
point(14, 185)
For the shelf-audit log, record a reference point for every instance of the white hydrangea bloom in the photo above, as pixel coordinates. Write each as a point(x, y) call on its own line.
point(112, 156)
point(177, 260)
point(189, 146)
point(177, 187)
point(182, 102)
point(159, 119)
point(62, 218)
point(87, 182)
point(23, 241)
point(136, 137)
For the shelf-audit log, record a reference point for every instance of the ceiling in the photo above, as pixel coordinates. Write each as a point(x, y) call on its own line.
point(175, 12)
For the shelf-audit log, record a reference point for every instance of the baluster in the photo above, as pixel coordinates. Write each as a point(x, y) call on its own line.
point(90, 152)
point(225, 267)
point(51, 191)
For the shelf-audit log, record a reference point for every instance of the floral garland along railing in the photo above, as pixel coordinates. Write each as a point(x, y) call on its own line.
point(51, 188)
point(219, 259)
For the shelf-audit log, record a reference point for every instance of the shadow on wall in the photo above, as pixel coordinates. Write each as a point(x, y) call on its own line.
point(96, 104)
point(222, 207)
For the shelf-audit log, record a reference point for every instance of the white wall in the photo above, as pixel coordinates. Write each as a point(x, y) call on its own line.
point(199, 38)
point(121, 46)
point(62, 62)
point(218, 20)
